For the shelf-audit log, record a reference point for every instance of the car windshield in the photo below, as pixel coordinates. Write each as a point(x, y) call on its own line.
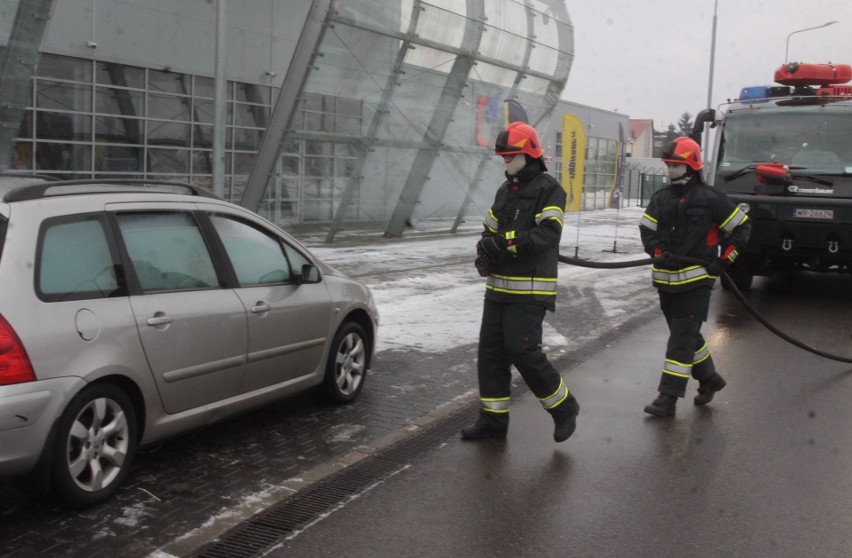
point(813, 139)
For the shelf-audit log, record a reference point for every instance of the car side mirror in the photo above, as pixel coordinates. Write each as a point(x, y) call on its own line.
point(308, 274)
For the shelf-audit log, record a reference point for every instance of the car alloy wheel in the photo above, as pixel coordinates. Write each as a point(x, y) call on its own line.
point(346, 368)
point(96, 443)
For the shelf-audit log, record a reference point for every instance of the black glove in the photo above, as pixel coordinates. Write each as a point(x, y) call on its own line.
point(716, 266)
point(670, 261)
point(493, 246)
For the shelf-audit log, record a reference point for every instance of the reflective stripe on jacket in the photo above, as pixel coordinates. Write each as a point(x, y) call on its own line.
point(527, 213)
point(691, 220)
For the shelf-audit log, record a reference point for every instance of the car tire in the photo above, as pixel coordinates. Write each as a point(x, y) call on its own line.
point(95, 445)
point(346, 367)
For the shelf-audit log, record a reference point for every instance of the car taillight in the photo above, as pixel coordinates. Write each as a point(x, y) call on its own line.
point(15, 366)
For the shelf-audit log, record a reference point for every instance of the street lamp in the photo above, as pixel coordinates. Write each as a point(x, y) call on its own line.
point(799, 31)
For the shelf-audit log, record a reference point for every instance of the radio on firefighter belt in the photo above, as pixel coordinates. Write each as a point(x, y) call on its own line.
point(736, 291)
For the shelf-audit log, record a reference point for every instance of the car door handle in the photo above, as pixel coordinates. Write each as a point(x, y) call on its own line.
point(260, 308)
point(160, 320)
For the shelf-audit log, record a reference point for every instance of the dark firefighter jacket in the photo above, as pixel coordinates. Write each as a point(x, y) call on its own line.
point(692, 220)
point(527, 213)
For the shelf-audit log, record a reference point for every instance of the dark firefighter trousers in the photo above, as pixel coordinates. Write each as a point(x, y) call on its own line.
point(687, 353)
point(511, 335)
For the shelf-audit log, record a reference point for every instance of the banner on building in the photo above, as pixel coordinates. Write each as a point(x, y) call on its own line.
point(573, 160)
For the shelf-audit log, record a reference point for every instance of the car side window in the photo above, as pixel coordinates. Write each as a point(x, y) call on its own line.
point(257, 256)
point(167, 250)
point(297, 259)
point(74, 260)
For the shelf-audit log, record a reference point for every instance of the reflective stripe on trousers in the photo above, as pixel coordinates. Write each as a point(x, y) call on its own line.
point(495, 405)
point(557, 398)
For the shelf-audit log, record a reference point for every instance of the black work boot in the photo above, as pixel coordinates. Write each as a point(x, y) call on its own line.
point(662, 406)
point(565, 419)
point(482, 430)
point(708, 388)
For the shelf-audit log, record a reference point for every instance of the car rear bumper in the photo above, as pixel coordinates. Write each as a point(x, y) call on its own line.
point(27, 413)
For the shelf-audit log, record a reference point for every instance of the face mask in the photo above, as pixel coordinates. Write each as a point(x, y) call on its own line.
point(676, 172)
point(515, 166)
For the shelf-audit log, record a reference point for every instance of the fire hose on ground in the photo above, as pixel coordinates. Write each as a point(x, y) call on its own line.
point(739, 295)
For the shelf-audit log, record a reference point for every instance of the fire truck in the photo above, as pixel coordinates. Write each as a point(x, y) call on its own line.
point(784, 153)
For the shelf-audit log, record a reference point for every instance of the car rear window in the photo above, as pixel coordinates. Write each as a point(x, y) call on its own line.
point(75, 261)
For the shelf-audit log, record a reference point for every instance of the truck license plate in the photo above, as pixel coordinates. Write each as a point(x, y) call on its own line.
point(807, 213)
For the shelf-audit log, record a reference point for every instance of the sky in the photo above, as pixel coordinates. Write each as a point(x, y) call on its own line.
point(650, 59)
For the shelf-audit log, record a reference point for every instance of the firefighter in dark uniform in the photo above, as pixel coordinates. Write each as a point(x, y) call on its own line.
point(518, 253)
point(688, 218)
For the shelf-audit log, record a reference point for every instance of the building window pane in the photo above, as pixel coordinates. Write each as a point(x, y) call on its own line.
point(110, 73)
point(67, 126)
point(113, 129)
point(202, 136)
point(168, 160)
point(63, 96)
point(349, 125)
point(319, 166)
point(21, 157)
point(168, 107)
point(63, 156)
point(203, 111)
point(202, 162)
point(168, 133)
point(116, 158)
point(168, 82)
point(25, 130)
point(251, 93)
point(251, 115)
point(112, 100)
point(205, 87)
point(242, 163)
point(247, 139)
point(64, 67)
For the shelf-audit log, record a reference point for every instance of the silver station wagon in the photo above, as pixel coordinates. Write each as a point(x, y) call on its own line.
point(132, 311)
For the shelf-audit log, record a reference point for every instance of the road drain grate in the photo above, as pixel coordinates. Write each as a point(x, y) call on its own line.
point(269, 527)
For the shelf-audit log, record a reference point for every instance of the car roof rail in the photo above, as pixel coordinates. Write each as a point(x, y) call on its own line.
point(48, 177)
point(104, 186)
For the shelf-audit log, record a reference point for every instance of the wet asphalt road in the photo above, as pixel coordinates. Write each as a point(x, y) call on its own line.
point(764, 470)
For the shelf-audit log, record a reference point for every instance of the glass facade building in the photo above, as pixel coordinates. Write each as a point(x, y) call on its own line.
point(337, 112)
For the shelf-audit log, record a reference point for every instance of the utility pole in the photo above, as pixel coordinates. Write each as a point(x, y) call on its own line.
point(712, 58)
point(220, 104)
